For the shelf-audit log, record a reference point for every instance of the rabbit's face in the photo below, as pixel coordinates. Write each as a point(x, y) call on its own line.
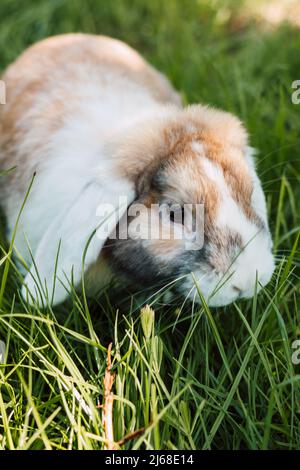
point(216, 227)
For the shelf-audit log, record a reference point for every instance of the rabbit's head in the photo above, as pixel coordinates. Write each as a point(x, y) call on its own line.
point(199, 208)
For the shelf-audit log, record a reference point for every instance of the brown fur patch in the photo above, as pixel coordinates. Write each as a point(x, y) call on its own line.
point(168, 142)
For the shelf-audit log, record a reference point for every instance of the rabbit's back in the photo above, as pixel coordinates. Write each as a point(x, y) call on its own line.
point(99, 79)
point(65, 97)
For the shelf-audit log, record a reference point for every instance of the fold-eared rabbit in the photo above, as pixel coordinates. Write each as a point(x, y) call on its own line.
point(100, 128)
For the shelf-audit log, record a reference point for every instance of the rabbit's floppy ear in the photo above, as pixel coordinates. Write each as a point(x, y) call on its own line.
point(86, 224)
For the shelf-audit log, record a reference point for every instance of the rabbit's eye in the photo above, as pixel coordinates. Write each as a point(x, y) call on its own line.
point(177, 215)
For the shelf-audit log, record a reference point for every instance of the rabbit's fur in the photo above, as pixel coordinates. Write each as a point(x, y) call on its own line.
point(94, 121)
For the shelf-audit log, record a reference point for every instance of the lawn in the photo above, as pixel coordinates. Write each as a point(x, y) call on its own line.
point(191, 377)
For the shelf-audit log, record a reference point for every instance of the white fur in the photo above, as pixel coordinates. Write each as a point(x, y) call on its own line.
point(75, 164)
point(258, 197)
point(67, 237)
point(255, 261)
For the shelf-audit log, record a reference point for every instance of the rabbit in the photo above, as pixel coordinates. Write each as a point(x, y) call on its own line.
point(88, 121)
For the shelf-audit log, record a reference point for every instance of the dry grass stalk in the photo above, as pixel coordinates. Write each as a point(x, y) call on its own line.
point(107, 407)
point(107, 417)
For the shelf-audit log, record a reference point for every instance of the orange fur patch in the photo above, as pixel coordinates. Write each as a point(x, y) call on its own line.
point(169, 142)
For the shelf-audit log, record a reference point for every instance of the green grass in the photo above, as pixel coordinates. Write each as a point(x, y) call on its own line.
point(219, 379)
